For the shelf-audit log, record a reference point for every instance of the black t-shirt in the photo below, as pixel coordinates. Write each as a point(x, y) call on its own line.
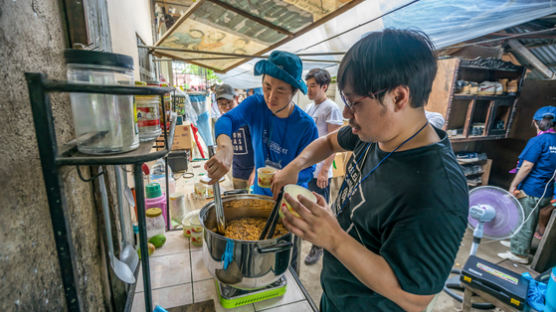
point(412, 211)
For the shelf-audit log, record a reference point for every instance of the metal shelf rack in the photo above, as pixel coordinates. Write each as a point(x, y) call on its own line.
point(52, 158)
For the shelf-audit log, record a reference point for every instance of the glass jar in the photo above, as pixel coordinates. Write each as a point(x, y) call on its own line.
point(196, 231)
point(189, 222)
point(196, 238)
point(148, 116)
point(155, 222)
point(167, 101)
point(103, 123)
point(202, 189)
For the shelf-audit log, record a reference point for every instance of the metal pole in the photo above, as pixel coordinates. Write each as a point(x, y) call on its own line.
point(46, 139)
point(166, 132)
point(230, 54)
point(168, 222)
point(519, 49)
point(142, 222)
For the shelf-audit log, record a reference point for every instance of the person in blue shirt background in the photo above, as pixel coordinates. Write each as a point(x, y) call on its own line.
point(533, 183)
point(243, 164)
point(280, 130)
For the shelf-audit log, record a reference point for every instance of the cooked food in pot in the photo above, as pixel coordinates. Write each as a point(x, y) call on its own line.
point(250, 228)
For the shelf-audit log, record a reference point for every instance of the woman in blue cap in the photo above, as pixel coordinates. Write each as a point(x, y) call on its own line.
point(280, 130)
point(534, 181)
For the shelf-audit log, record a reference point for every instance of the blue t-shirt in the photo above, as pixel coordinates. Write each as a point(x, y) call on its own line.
point(243, 154)
point(276, 141)
point(540, 150)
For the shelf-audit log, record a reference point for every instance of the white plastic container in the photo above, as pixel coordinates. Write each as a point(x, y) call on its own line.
point(177, 207)
point(294, 190)
point(103, 123)
point(264, 176)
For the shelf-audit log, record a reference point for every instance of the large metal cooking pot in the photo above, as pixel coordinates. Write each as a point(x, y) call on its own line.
point(244, 264)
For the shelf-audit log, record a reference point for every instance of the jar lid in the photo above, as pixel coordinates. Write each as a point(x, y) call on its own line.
point(177, 195)
point(152, 190)
point(153, 212)
point(74, 56)
point(191, 218)
point(206, 179)
point(147, 99)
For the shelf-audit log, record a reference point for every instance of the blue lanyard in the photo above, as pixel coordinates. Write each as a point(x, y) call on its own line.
point(372, 170)
point(269, 131)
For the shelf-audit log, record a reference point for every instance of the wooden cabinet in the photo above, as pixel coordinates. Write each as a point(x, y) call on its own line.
point(472, 117)
point(476, 172)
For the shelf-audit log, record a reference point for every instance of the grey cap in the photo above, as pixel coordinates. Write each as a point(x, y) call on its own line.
point(224, 91)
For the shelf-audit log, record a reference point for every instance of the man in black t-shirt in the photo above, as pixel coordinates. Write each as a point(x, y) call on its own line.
point(401, 212)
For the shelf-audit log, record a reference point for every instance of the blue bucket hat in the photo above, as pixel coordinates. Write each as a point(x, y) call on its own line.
point(284, 66)
point(545, 111)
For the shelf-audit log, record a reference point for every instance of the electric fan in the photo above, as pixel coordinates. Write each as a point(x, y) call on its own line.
point(495, 214)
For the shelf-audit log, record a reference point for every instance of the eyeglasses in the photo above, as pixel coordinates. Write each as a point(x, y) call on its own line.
point(349, 104)
point(225, 103)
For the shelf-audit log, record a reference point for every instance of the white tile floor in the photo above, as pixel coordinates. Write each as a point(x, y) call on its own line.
point(179, 277)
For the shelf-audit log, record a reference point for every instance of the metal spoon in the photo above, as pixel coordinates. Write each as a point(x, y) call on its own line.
point(220, 219)
point(128, 254)
point(120, 268)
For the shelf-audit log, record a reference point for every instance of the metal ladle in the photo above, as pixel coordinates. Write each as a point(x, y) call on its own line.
point(128, 254)
point(121, 269)
point(220, 219)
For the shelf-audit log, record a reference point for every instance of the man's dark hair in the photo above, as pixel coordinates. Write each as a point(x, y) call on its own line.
point(387, 59)
point(321, 76)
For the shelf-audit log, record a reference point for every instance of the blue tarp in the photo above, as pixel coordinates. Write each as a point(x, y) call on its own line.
point(447, 22)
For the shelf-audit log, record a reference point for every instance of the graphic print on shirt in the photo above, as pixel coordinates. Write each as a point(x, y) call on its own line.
point(239, 142)
point(273, 148)
point(351, 181)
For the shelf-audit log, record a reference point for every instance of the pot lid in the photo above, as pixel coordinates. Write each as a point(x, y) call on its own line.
point(74, 56)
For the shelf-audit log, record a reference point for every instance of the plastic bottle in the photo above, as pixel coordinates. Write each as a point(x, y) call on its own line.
point(157, 174)
point(155, 198)
point(136, 235)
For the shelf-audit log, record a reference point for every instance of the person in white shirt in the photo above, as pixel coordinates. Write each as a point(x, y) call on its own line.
point(435, 119)
point(328, 118)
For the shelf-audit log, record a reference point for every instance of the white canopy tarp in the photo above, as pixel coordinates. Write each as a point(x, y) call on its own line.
point(447, 22)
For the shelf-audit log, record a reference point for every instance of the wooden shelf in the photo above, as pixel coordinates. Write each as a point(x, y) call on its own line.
point(472, 138)
point(464, 66)
point(486, 165)
point(483, 97)
point(463, 111)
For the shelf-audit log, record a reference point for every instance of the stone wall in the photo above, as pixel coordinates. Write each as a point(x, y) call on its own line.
point(32, 39)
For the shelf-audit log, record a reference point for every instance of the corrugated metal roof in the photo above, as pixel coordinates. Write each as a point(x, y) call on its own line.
point(543, 49)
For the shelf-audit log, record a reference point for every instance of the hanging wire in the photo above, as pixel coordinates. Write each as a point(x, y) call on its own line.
point(358, 26)
point(510, 36)
point(86, 180)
